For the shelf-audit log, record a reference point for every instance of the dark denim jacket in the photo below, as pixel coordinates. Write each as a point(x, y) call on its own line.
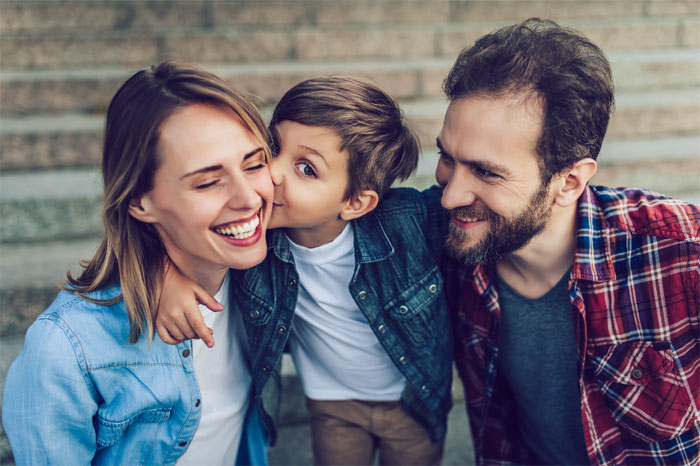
point(396, 284)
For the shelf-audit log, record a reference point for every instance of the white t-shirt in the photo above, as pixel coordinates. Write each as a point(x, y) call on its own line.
point(337, 355)
point(224, 381)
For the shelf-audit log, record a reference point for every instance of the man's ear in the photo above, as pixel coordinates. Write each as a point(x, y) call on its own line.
point(361, 203)
point(574, 181)
point(138, 208)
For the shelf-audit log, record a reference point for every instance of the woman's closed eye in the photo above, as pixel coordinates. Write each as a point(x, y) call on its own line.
point(256, 167)
point(306, 169)
point(208, 184)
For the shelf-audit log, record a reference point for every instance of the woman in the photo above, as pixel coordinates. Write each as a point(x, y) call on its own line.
point(186, 177)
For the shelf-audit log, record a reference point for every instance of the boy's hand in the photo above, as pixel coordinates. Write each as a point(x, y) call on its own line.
point(178, 316)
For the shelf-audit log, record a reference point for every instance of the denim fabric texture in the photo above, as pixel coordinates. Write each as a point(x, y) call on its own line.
point(79, 393)
point(396, 284)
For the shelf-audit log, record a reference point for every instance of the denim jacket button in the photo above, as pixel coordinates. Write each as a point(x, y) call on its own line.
point(402, 359)
point(424, 389)
point(381, 328)
point(266, 368)
point(254, 314)
point(403, 310)
point(292, 282)
point(282, 329)
point(362, 295)
point(433, 288)
point(186, 353)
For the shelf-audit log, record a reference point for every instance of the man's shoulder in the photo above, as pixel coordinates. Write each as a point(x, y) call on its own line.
point(400, 201)
point(639, 211)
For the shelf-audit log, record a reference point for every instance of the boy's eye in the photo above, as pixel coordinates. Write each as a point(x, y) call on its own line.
point(306, 169)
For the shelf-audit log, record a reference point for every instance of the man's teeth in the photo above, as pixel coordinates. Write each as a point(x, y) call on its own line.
point(242, 231)
point(469, 219)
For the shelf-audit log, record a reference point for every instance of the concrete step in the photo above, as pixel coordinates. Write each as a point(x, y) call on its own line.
point(74, 140)
point(669, 165)
point(339, 41)
point(56, 205)
point(25, 16)
point(51, 219)
point(637, 115)
point(89, 89)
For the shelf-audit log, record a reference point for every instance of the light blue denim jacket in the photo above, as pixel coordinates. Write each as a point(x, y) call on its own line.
point(396, 284)
point(79, 393)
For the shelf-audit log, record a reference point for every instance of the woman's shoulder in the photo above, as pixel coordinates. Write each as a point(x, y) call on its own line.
point(69, 305)
point(96, 314)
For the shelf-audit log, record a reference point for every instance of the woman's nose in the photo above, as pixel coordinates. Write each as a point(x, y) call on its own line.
point(244, 196)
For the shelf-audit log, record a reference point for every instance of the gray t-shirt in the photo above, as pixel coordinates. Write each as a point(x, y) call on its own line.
point(538, 357)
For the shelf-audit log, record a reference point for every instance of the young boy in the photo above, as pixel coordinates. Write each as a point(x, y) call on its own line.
point(355, 264)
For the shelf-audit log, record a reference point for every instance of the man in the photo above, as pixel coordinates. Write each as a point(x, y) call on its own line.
point(575, 307)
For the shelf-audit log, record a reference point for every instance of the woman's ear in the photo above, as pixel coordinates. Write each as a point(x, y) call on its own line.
point(139, 209)
point(360, 204)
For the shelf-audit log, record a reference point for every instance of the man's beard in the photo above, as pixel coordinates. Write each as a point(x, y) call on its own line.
point(505, 235)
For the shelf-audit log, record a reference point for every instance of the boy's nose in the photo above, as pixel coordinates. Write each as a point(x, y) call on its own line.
point(275, 173)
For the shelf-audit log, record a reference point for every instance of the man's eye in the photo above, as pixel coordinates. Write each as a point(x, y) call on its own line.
point(306, 169)
point(483, 173)
point(206, 185)
point(444, 158)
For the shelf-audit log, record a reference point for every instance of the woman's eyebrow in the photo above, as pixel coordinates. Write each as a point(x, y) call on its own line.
point(213, 168)
point(252, 153)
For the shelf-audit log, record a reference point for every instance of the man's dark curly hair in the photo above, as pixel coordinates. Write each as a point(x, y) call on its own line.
point(566, 72)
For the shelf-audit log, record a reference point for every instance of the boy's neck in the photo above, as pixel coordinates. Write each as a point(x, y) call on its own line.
point(316, 236)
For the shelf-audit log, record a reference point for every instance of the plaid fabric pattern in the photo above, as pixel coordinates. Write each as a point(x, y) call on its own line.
point(635, 291)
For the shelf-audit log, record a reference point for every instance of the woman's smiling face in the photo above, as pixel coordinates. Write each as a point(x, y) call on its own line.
point(212, 195)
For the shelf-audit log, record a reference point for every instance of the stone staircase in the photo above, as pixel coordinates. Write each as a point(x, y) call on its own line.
point(60, 62)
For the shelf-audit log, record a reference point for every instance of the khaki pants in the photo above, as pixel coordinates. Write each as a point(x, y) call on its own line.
point(349, 432)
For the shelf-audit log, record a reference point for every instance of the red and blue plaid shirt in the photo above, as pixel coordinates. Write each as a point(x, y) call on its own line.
point(635, 291)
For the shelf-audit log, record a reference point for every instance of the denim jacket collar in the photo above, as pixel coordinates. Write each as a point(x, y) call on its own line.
point(372, 244)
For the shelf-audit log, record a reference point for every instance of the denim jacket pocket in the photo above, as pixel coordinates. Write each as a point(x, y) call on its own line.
point(256, 311)
point(411, 310)
point(643, 389)
point(109, 432)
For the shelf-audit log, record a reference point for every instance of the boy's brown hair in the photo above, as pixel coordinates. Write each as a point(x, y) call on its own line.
point(369, 122)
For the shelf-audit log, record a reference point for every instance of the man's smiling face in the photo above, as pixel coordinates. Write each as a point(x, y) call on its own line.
point(489, 169)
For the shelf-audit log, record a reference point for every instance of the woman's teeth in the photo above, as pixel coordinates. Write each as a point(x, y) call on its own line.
point(242, 231)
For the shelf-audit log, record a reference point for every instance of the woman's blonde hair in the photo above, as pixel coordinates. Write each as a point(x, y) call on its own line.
point(132, 253)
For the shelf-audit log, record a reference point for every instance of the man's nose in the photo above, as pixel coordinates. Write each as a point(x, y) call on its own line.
point(458, 191)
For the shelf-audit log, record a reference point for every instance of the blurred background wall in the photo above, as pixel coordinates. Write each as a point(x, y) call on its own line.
point(60, 62)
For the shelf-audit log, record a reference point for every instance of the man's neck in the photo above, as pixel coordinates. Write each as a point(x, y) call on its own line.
point(534, 269)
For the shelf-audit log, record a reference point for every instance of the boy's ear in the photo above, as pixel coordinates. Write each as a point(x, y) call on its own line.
point(574, 181)
point(138, 208)
point(361, 203)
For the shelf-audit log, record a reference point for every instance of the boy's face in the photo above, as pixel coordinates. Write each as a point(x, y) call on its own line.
point(310, 176)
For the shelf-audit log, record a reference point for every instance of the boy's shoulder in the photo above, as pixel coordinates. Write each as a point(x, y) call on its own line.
point(406, 201)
